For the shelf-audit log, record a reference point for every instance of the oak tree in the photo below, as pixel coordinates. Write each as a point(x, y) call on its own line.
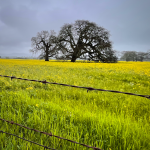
point(44, 42)
point(85, 39)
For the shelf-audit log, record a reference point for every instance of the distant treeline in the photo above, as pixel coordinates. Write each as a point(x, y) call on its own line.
point(135, 56)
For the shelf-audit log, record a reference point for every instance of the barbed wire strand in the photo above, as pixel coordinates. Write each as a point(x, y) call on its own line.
point(27, 140)
point(50, 134)
point(88, 88)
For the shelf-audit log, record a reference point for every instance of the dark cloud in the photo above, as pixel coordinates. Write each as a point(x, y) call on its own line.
point(127, 21)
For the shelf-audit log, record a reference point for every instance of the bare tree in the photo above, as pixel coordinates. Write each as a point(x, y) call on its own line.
point(44, 42)
point(84, 38)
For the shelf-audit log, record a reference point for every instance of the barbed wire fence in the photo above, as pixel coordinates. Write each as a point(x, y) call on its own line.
point(50, 134)
point(87, 88)
point(45, 147)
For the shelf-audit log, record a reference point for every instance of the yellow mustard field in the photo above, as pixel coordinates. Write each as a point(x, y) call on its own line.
point(109, 121)
point(121, 66)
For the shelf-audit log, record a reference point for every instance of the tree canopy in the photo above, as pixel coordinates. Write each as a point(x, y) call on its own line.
point(135, 56)
point(85, 39)
point(44, 42)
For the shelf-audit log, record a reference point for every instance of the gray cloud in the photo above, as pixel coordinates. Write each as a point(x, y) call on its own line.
point(128, 21)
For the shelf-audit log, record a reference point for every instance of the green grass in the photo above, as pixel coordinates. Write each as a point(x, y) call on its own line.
point(106, 120)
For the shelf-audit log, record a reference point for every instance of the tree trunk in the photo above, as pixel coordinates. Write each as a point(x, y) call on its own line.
point(46, 58)
point(73, 59)
point(74, 56)
point(46, 55)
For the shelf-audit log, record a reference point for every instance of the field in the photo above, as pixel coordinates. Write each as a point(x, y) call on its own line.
point(106, 120)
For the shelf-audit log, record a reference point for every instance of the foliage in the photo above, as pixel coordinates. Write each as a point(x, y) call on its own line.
point(85, 39)
point(106, 120)
point(134, 56)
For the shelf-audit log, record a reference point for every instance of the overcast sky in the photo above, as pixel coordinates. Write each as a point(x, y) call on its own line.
point(128, 21)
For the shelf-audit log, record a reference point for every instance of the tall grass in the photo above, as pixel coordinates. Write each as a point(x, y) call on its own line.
point(109, 121)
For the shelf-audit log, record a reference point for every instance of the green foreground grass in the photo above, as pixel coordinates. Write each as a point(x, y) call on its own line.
point(106, 120)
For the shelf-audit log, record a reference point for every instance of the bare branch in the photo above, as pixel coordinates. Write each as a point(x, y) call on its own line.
point(46, 43)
